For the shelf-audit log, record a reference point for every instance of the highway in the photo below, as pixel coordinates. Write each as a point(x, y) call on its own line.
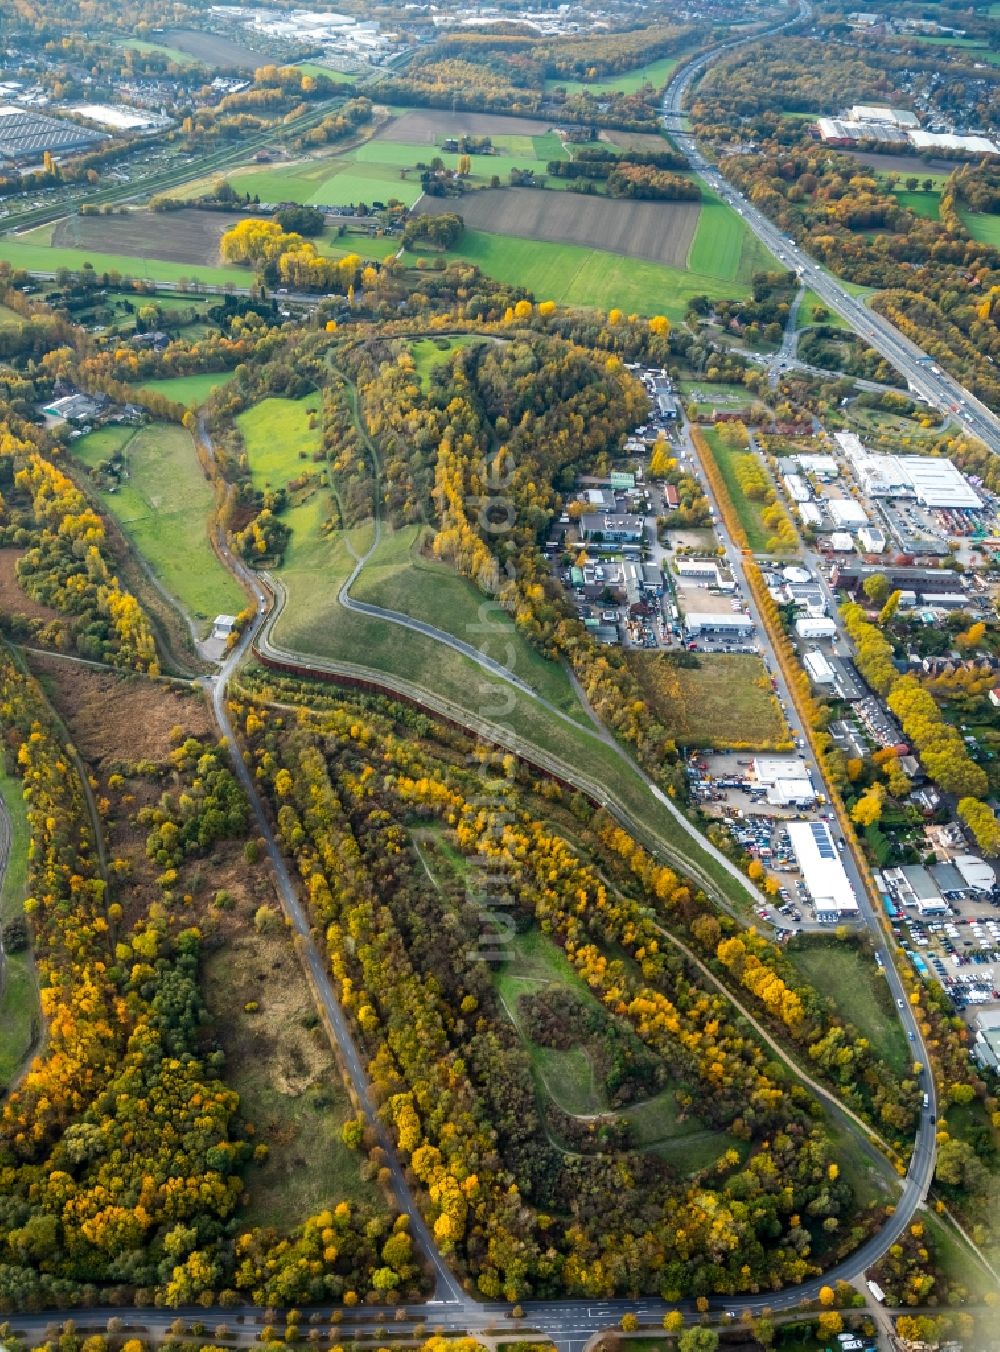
point(568, 1323)
point(920, 371)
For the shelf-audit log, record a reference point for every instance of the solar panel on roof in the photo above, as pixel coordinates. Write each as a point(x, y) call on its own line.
point(823, 842)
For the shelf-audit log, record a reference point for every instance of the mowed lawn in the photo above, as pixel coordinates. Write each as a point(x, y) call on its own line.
point(925, 204)
point(747, 509)
point(191, 391)
point(981, 226)
point(428, 353)
point(656, 73)
point(164, 509)
point(400, 577)
point(725, 701)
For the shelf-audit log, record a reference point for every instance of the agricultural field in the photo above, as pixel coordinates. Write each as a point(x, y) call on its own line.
point(660, 232)
point(163, 508)
point(158, 49)
point(18, 990)
point(428, 126)
point(182, 237)
point(726, 700)
point(213, 50)
point(906, 166)
point(192, 391)
point(327, 72)
point(968, 48)
point(981, 226)
point(35, 252)
point(655, 73)
point(635, 140)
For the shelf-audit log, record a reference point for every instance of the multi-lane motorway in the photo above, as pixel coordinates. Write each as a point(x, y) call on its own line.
point(570, 1323)
point(920, 371)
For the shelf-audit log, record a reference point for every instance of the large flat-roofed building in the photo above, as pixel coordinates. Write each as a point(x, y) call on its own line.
point(846, 514)
point(879, 114)
point(613, 527)
point(851, 575)
point(822, 871)
point(770, 769)
point(978, 874)
point(796, 487)
point(932, 480)
point(25, 135)
point(819, 669)
point(727, 623)
point(914, 886)
point(987, 1045)
point(819, 626)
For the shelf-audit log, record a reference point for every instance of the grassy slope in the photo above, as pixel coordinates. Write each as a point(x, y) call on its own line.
point(164, 509)
point(189, 390)
point(314, 623)
point(400, 577)
point(275, 434)
point(568, 1077)
point(159, 48)
point(19, 1001)
point(807, 313)
point(655, 73)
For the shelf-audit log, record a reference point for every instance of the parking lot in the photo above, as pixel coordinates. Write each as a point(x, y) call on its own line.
point(722, 785)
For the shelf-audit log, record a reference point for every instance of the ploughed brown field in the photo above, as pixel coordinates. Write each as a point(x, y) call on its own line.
point(658, 231)
point(635, 140)
point(173, 236)
point(426, 125)
point(212, 49)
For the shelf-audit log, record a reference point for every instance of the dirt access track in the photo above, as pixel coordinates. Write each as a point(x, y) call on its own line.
point(658, 231)
point(187, 236)
point(427, 126)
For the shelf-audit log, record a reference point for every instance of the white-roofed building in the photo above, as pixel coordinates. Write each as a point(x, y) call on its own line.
point(823, 873)
point(820, 626)
point(979, 875)
point(769, 769)
point(791, 793)
point(823, 466)
point(818, 667)
point(810, 514)
point(973, 145)
point(892, 117)
point(796, 487)
point(842, 542)
point(846, 514)
point(871, 540)
point(726, 623)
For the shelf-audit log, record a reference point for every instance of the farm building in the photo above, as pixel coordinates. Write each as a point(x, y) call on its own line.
point(72, 407)
point(822, 871)
point(613, 527)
